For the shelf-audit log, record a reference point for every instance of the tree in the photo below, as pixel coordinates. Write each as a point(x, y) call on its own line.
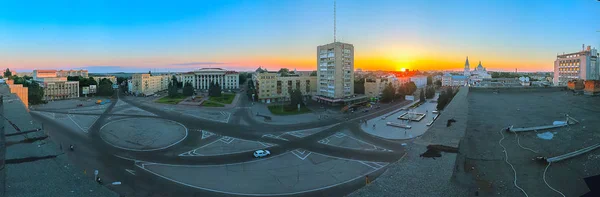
point(214, 89)
point(313, 73)
point(388, 93)
point(359, 86)
point(429, 80)
point(408, 88)
point(105, 88)
point(188, 89)
point(35, 93)
point(120, 80)
point(438, 83)
point(73, 78)
point(7, 73)
point(429, 92)
point(242, 78)
point(172, 88)
point(422, 96)
point(295, 99)
point(283, 70)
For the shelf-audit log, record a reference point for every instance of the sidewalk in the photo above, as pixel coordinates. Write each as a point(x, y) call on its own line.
point(378, 126)
point(313, 116)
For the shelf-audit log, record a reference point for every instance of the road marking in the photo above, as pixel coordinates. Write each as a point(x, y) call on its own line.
point(301, 154)
point(254, 194)
point(324, 141)
point(274, 136)
point(130, 171)
point(206, 134)
point(69, 115)
point(227, 139)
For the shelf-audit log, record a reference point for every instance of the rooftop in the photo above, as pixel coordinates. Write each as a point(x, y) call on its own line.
point(479, 166)
point(37, 166)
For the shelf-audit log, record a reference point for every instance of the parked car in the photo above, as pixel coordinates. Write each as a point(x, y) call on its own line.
point(261, 153)
point(435, 112)
point(79, 105)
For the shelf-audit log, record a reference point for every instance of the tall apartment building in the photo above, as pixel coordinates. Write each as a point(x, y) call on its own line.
point(146, 84)
point(72, 73)
point(275, 87)
point(335, 73)
point(55, 87)
point(582, 65)
point(200, 79)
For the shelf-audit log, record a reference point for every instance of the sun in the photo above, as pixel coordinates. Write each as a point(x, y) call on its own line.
point(402, 69)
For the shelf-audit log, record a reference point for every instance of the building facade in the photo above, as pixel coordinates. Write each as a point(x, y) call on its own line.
point(374, 87)
point(147, 84)
point(112, 79)
point(20, 91)
point(335, 73)
point(420, 81)
point(582, 65)
point(200, 79)
point(55, 87)
point(274, 87)
point(454, 80)
point(72, 73)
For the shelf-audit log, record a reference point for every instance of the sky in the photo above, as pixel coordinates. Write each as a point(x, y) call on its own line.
point(137, 36)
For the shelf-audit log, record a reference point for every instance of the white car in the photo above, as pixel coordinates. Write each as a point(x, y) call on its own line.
point(261, 153)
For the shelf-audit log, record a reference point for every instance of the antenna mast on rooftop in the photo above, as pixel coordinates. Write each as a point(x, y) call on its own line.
point(334, 21)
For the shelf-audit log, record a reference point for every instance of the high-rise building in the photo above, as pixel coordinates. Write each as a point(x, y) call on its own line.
point(335, 72)
point(582, 65)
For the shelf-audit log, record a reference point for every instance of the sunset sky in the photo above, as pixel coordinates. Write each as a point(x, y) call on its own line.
point(135, 36)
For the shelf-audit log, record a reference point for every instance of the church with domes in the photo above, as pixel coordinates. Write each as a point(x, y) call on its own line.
point(476, 75)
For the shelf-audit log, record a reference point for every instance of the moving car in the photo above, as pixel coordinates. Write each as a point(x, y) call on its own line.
point(261, 153)
point(435, 112)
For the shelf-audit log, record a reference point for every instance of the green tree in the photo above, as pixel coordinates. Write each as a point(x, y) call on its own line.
point(429, 80)
point(214, 89)
point(7, 73)
point(410, 88)
point(313, 73)
point(105, 88)
point(73, 78)
point(295, 99)
point(172, 88)
point(35, 93)
point(438, 83)
point(283, 70)
point(359, 86)
point(429, 92)
point(388, 93)
point(188, 89)
point(120, 80)
point(422, 96)
point(242, 78)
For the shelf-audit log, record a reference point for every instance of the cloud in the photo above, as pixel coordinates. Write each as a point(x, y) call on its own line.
point(197, 63)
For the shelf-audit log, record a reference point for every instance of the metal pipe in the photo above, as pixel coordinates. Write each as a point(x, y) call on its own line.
point(572, 154)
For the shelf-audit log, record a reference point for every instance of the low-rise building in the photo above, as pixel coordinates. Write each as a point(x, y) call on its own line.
point(112, 79)
point(275, 87)
point(147, 84)
point(454, 80)
point(200, 79)
point(21, 92)
point(420, 81)
point(72, 73)
point(56, 87)
point(374, 87)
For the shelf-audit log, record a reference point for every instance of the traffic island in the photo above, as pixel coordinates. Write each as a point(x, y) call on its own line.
point(143, 134)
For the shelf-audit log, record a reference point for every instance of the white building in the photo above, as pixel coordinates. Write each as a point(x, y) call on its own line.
point(200, 79)
point(579, 65)
point(477, 75)
point(454, 80)
point(420, 81)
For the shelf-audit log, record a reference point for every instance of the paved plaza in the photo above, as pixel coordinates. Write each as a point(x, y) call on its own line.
point(378, 126)
point(143, 134)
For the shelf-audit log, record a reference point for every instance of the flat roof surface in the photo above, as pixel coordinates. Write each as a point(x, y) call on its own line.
point(480, 165)
point(36, 175)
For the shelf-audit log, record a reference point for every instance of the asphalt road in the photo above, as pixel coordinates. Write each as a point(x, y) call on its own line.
point(93, 153)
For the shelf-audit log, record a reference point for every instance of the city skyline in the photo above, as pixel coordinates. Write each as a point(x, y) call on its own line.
point(242, 35)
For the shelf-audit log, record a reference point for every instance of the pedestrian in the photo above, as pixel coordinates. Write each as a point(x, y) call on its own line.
point(373, 126)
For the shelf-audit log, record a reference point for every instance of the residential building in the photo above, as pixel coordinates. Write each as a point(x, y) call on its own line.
point(22, 74)
point(454, 80)
point(200, 79)
point(147, 84)
point(582, 65)
point(21, 92)
point(335, 74)
point(276, 87)
point(112, 79)
point(56, 87)
point(129, 85)
point(374, 87)
point(420, 81)
point(72, 73)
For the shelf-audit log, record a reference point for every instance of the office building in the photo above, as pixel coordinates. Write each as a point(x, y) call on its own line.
point(200, 79)
point(335, 74)
point(56, 87)
point(72, 73)
point(582, 65)
point(276, 87)
point(147, 84)
point(112, 79)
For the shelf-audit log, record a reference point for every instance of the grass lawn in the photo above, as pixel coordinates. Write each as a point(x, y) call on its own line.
point(224, 98)
point(169, 100)
point(276, 110)
point(212, 104)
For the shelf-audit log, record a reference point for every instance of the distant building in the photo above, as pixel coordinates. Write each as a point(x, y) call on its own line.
point(22, 74)
point(374, 87)
point(56, 87)
point(454, 80)
point(146, 84)
point(112, 79)
point(72, 73)
point(503, 82)
point(582, 65)
point(275, 87)
point(200, 79)
point(420, 81)
point(477, 75)
point(129, 85)
point(335, 74)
